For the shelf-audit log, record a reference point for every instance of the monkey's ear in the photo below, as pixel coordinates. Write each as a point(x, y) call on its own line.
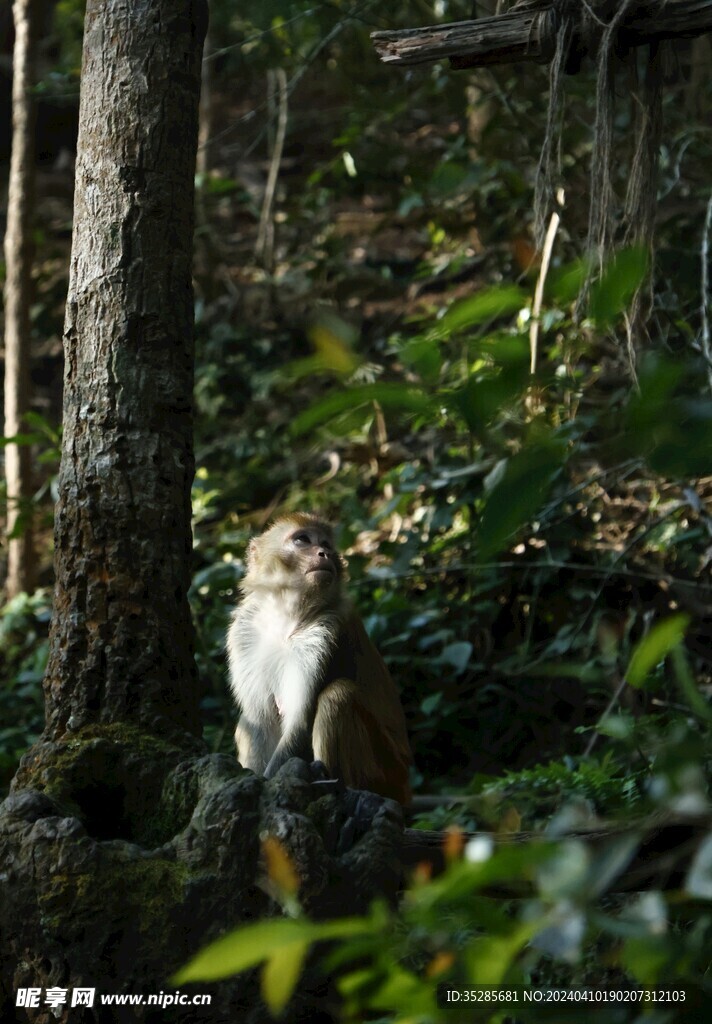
point(253, 551)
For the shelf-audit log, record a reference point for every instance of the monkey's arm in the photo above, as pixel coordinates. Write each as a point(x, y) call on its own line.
point(296, 743)
point(297, 728)
point(255, 741)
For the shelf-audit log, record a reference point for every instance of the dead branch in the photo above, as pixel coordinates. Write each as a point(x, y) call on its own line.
point(665, 850)
point(514, 36)
point(530, 35)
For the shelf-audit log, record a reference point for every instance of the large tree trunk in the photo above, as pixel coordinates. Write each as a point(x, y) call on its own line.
point(124, 845)
point(18, 266)
point(122, 642)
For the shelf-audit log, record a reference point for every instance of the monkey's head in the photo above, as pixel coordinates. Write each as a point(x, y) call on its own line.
point(297, 552)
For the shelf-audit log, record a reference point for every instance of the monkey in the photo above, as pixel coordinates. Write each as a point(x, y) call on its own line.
point(309, 681)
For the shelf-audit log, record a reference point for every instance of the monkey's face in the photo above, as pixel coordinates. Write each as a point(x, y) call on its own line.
point(311, 549)
point(298, 554)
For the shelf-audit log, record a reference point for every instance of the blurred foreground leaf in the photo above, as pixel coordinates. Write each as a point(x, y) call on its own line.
point(333, 340)
point(651, 650)
point(281, 944)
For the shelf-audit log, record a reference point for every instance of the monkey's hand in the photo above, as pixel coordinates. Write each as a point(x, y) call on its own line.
point(319, 772)
point(291, 745)
point(296, 738)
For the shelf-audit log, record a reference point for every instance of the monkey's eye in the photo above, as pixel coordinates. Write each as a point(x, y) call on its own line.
point(301, 538)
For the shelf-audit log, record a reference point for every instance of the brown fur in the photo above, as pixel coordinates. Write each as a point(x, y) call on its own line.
point(359, 730)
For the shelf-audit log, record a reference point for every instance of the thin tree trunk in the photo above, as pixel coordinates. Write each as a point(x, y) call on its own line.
point(277, 89)
point(121, 644)
point(206, 108)
point(205, 128)
point(18, 263)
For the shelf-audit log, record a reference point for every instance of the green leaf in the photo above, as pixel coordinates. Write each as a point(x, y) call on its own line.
point(504, 348)
point(40, 423)
point(430, 704)
point(620, 280)
point(333, 340)
point(647, 957)
point(688, 686)
point(450, 177)
point(21, 524)
point(241, 949)
point(618, 727)
point(670, 428)
point(482, 308)
point(403, 992)
point(489, 958)
point(298, 369)
point(457, 654)
point(565, 283)
point(21, 439)
point(219, 186)
point(423, 354)
point(388, 395)
point(484, 397)
point(281, 974)
point(654, 647)
point(699, 878)
point(249, 946)
point(586, 672)
point(518, 494)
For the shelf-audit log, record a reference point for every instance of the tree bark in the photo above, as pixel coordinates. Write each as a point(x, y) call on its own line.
point(121, 644)
point(18, 284)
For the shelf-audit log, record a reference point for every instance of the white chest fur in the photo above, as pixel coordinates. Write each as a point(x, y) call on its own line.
point(274, 661)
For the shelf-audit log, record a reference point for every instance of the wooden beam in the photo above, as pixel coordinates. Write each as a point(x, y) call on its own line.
point(530, 35)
